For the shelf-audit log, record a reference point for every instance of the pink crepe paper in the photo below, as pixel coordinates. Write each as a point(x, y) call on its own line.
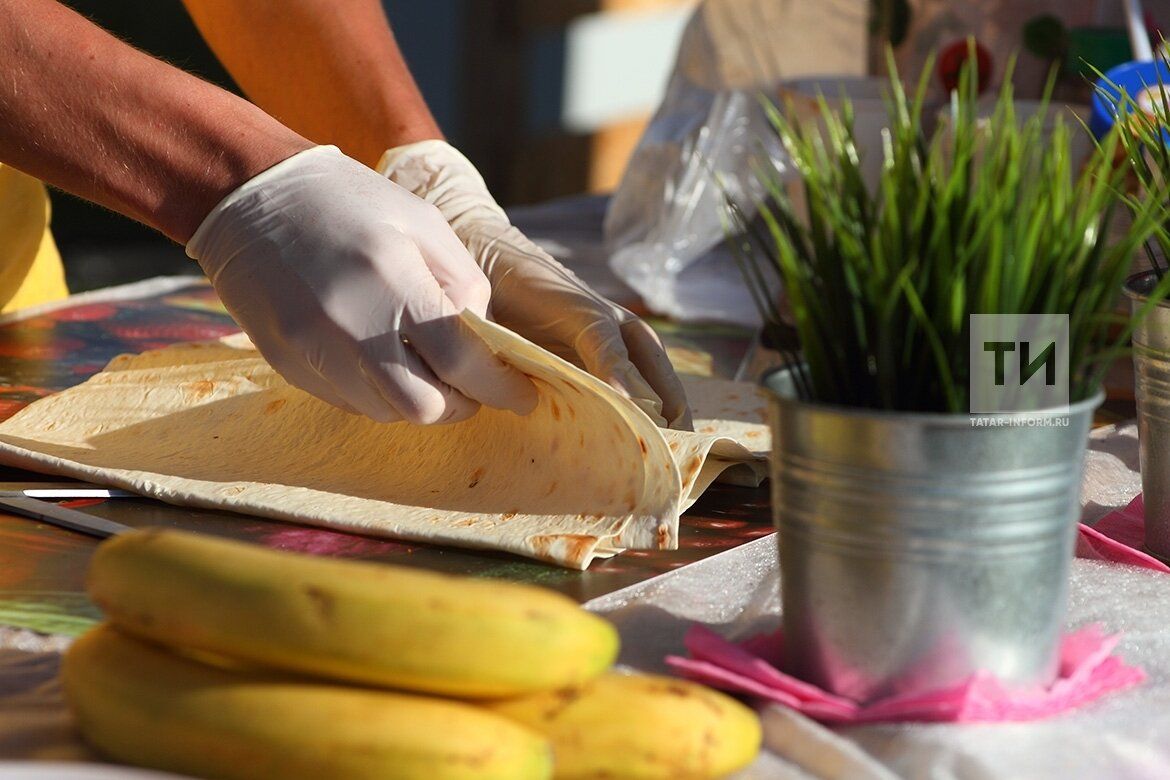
point(1118, 537)
point(1088, 671)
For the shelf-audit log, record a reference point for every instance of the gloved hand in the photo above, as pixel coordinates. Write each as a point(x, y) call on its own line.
point(351, 287)
point(536, 296)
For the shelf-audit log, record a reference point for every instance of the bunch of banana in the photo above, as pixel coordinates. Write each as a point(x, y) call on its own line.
point(226, 660)
point(142, 704)
point(639, 726)
point(360, 622)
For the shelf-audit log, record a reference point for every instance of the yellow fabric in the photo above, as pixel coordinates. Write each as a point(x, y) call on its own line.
point(30, 266)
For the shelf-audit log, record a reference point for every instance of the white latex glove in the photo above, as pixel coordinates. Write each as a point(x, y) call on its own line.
point(536, 296)
point(351, 287)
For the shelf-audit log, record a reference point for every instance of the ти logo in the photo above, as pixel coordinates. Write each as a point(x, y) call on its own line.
point(1028, 367)
point(1019, 362)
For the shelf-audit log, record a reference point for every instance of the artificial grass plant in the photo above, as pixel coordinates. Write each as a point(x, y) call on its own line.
point(985, 217)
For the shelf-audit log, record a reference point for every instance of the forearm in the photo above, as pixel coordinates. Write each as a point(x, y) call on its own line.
point(329, 69)
point(95, 117)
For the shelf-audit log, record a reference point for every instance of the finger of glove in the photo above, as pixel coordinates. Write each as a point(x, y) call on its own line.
point(389, 390)
point(452, 265)
point(283, 349)
point(459, 357)
point(515, 255)
point(405, 381)
point(604, 354)
point(649, 356)
point(375, 377)
point(311, 351)
point(309, 380)
point(398, 358)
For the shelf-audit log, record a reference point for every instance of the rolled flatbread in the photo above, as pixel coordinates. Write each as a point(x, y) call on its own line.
point(586, 475)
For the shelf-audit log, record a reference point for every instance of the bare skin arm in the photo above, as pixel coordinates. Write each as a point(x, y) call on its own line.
point(329, 69)
point(93, 116)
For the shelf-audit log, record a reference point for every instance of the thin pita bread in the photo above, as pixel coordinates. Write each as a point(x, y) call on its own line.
point(212, 425)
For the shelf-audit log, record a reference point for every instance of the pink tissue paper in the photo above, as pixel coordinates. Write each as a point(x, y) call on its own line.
point(1088, 671)
point(1118, 537)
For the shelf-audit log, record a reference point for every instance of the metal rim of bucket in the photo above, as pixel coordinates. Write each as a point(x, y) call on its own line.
point(958, 419)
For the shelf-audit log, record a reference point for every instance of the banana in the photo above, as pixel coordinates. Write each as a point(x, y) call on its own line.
point(142, 704)
point(360, 622)
point(639, 727)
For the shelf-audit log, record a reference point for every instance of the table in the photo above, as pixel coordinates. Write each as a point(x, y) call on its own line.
point(731, 586)
point(52, 348)
point(42, 568)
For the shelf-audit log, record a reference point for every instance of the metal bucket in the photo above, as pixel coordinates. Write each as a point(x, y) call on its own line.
point(917, 549)
point(1151, 364)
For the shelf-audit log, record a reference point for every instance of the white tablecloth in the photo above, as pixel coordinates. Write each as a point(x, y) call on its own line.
point(1126, 735)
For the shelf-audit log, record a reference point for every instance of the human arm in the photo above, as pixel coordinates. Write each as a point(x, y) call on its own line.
point(85, 112)
point(329, 69)
point(348, 284)
point(332, 70)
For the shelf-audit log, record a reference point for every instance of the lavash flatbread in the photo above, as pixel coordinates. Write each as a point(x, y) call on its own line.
point(585, 475)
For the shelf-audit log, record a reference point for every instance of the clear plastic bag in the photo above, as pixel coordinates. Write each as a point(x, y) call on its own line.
point(664, 227)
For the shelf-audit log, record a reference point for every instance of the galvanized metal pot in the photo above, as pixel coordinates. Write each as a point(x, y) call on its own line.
point(917, 549)
point(1151, 363)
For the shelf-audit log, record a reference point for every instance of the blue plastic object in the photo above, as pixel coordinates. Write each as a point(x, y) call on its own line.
point(1132, 79)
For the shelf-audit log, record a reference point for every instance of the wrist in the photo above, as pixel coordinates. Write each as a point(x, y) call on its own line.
point(215, 161)
point(257, 202)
